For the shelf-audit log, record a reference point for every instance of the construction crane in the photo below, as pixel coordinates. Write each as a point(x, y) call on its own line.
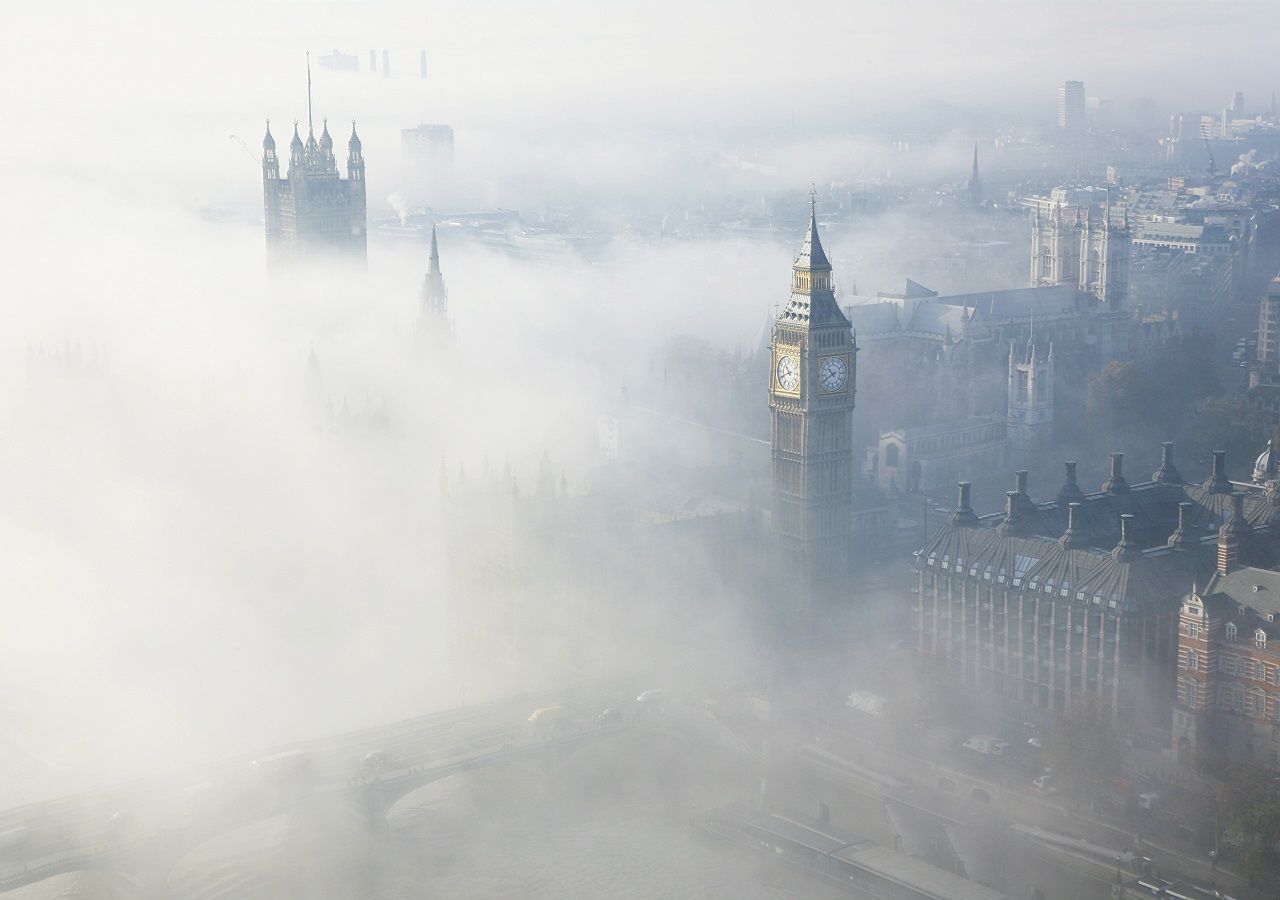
point(243, 146)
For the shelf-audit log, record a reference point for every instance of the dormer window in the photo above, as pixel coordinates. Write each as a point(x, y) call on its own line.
point(1231, 631)
point(1260, 639)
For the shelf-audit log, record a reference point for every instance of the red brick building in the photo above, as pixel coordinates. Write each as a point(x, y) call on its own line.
point(1228, 677)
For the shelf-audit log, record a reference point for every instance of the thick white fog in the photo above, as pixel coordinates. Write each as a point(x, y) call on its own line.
point(219, 490)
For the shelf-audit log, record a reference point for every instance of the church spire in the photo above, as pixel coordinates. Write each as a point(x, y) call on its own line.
point(812, 256)
point(813, 298)
point(434, 294)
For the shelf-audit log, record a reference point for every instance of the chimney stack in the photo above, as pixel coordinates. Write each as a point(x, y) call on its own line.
point(1168, 472)
point(1127, 545)
point(1219, 483)
point(1231, 534)
point(1070, 490)
point(1183, 538)
point(963, 514)
point(1070, 538)
point(1116, 484)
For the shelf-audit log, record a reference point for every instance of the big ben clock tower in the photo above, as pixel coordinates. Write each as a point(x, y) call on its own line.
point(811, 396)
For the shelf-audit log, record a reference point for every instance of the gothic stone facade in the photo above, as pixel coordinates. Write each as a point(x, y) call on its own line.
point(1080, 596)
point(313, 210)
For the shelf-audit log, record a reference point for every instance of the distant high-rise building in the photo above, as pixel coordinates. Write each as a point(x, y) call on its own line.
point(975, 181)
point(434, 295)
point(312, 210)
point(1267, 365)
point(373, 60)
point(422, 63)
point(337, 61)
point(428, 158)
point(1071, 106)
point(1237, 105)
point(386, 63)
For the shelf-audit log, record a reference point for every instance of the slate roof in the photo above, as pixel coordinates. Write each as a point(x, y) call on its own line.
point(1026, 550)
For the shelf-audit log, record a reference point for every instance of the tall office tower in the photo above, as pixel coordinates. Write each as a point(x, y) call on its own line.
point(811, 396)
point(1267, 366)
point(373, 60)
point(313, 211)
point(422, 63)
point(1071, 106)
point(428, 160)
point(386, 63)
point(1237, 105)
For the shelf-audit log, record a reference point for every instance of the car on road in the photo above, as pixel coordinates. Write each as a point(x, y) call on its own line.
point(609, 716)
point(550, 715)
point(1043, 785)
point(374, 761)
point(986, 745)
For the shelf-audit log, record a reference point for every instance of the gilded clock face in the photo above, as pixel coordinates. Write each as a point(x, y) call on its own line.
point(788, 373)
point(832, 373)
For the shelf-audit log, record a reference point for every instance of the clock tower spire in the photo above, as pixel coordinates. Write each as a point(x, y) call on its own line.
point(811, 397)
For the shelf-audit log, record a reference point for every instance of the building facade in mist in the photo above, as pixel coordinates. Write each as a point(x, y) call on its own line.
point(1083, 248)
point(433, 297)
point(1050, 602)
point(1030, 410)
point(312, 211)
point(1071, 106)
point(1228, 683)
point(1266, 368)
point(428, 158)
point(811, 398)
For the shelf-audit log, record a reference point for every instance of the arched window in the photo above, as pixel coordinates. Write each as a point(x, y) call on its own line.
point(1260, 639)
point(1231, 631)
point(1193, 660)
point(891, 456)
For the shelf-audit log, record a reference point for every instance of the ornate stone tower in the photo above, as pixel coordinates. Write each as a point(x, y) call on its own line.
point(434, 296)
point(1085, 249)
point(1055, 249)
point(313, 211)
point(1104, 258)
point(811, 396)
point(1030, 416)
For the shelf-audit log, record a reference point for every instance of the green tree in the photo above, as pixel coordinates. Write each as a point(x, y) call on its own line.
point(1232, 424)
point(1084, 751)
point(1251, 813)
point(1118, 394)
